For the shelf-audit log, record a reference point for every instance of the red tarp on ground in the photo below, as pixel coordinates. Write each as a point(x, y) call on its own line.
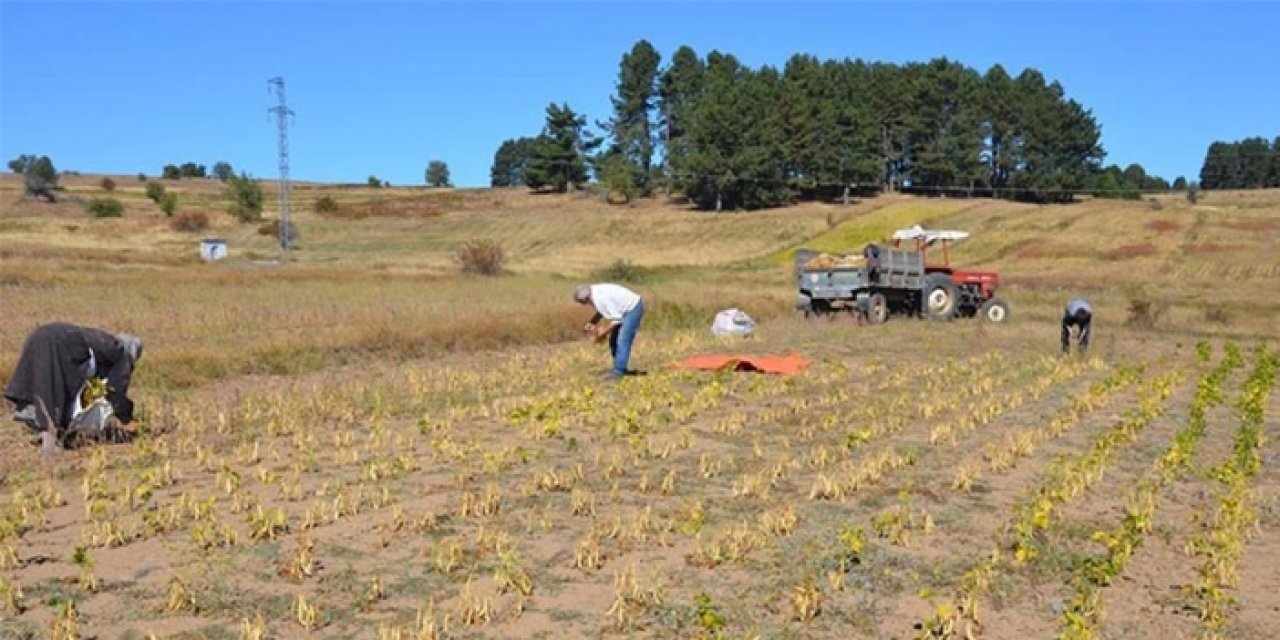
point(763, 364)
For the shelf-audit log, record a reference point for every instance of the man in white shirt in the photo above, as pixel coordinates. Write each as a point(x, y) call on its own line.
point(622, 309)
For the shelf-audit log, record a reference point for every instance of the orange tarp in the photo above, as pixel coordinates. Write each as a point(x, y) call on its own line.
point(763, 364)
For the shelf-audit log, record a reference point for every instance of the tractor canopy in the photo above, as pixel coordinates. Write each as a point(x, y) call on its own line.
point(926, 237)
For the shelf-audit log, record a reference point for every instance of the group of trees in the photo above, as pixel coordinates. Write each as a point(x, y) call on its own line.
point(1131, 182)
point(221, 170)
point(731, 136)
point(39, 177)
point(1252, 163)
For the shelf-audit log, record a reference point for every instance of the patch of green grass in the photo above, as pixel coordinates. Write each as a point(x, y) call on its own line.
point(852, 235)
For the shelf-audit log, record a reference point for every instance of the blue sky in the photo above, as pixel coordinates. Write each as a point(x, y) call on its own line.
point(381, 88)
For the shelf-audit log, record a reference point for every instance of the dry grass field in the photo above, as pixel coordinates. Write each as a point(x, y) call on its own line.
point(356, 441)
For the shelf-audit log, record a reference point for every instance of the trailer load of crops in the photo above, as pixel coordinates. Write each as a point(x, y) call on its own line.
point(836, 261)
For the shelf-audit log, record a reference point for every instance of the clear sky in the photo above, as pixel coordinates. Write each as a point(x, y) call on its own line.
point(381, 88)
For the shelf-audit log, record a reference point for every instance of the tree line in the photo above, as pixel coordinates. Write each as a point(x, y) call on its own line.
point(1252, 163)
point(726, 135)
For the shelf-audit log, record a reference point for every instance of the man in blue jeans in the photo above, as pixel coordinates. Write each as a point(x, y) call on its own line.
point(622, 309)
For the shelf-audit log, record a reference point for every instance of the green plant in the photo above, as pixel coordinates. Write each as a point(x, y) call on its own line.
point(246, 198)
point(104, 208)
point(155, 191)
point(168, 203)
point(108, 184)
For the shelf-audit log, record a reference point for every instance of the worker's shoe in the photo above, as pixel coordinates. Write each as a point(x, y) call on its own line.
point(27, 416)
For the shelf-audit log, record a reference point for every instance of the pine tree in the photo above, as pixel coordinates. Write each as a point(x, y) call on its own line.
point(510, 162)
point(945, 133)
point(559, 154)
point(1000, 125)
point(632, 126)
point(679, 89)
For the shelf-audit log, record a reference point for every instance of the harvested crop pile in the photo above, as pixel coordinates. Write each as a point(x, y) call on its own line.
point(830, 261)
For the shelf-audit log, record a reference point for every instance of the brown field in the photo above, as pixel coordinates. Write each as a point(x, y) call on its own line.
point(359, 442)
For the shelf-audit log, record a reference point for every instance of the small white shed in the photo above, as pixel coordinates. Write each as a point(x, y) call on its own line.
point(213, 249)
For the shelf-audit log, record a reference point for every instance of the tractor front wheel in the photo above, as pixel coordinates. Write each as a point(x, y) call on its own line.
point(994, 310)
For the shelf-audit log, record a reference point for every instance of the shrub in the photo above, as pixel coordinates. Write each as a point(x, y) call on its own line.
point(1193, 195)
point(1217, 315)
point(326, 204)
point(108, 184)
point(1156, 205)
point(272, 229)
point(374, 182)
point(155, 191)
point(190, 221)
point(1145, 312)
point(246, 198)
point(104, 207)
point(142, 177)
point(481, 257)
point(168, 203)
point(623, 271)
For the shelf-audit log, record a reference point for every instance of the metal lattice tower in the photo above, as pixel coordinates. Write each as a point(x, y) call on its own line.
point(282, 112)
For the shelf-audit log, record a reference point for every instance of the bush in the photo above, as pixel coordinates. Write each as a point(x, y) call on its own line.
point(1217, 315)
point(168, 203)
point(481, 257)
point(190, 221)
point(374, 182)
point(246, 198)
point(104, 207)
point(272, 229)
point(1193, 195)
point(326, 205)
point(155, 191)
point(623, 271)
point(108, 184)
point(1145, 312)
point(142, 177)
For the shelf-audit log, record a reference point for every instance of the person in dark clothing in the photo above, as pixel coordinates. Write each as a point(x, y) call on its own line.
point(1078, 314)
point(872, 253)
point(56, 360)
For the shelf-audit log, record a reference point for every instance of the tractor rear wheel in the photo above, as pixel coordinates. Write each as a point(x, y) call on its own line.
point(877, 309)
point(994, 310)
point(939, 298)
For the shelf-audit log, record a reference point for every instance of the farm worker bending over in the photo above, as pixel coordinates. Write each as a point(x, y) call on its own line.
point(56, 360)
point(622, 309)
point(1080, 315)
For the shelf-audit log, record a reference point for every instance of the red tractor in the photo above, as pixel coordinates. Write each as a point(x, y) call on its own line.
point(965, 292)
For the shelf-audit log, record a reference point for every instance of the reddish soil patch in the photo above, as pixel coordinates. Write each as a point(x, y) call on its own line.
point(1127, 251)
point(1252, 225)
point(1209, 247)
point(1163, 226)
point(1054, 250)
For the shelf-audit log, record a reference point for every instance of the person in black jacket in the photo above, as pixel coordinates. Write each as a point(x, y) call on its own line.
point(1080, 315)
point(56, 360)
